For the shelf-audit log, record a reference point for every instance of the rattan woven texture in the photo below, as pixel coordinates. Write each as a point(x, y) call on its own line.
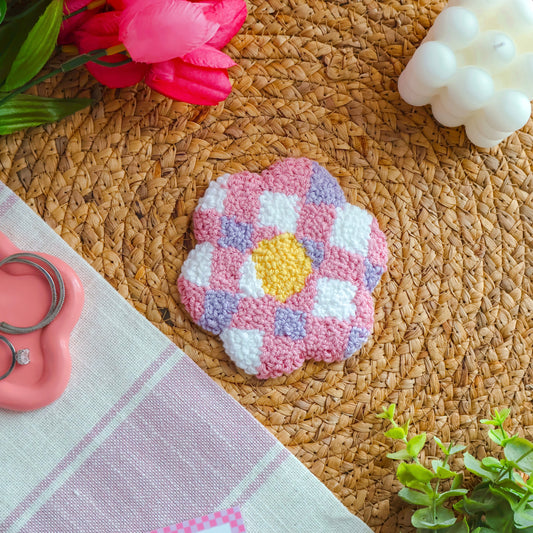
point(454, 328)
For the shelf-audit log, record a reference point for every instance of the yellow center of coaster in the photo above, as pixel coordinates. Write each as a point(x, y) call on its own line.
point(282, 265)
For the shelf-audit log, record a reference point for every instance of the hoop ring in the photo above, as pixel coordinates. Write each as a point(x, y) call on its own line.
point(52, 276)
point(7, 342)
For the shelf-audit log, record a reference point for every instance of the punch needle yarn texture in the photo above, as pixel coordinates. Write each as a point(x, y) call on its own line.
point(284, 268)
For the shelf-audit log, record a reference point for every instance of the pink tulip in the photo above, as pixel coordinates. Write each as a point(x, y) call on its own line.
point(69, 25)
point(100, 32)
point(200, 77)
point(174, 44)
point(159, 30)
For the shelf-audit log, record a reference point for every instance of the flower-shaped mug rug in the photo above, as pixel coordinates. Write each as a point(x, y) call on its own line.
point(284, 268)
point(24, 301)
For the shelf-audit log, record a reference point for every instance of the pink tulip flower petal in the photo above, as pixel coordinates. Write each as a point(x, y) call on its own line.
point(101, 31)
point(189, 83)
point(229, 14)
point(122, 4)
point(160, 30)
point(207, 56)
point(117, 77)
point(69, 25)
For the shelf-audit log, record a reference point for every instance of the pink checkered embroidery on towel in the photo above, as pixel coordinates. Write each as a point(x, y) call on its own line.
point(334, 251)
point(230, 516)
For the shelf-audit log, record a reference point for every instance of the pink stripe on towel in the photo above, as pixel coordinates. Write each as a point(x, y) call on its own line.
point(179, 454)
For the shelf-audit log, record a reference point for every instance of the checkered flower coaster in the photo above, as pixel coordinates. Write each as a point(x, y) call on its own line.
point(284, 268)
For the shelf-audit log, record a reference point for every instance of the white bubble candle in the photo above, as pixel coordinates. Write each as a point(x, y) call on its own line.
point(475, 68)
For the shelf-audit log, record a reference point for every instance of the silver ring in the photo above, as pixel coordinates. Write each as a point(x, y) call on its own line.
point(13, 356)
point(22, 357)
point(52, 276)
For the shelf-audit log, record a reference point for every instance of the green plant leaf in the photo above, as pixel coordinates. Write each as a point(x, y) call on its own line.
point(480, 501)
point(496, 436)
point(450, 494)
point(491, 463)
point(407, 473)
point(37, 47)
point(400, 455)
point(520, 452)
point(475, 466)
point(484, 530)
point(395, 433)
point(515, 487)
point(440, 444)
point(425, 518)
point(523, 518)
point(388, 413)
point(459, 527)
point(445, 473)
point(457, 481)
point(511, 498)
point(414, 497)
point(25, 110)
point(457, 448)
point(13, 33)
point(415, 445)
point(3, 10)
point(500, 519)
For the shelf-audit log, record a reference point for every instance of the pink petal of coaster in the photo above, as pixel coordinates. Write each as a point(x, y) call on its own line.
point(25, 299)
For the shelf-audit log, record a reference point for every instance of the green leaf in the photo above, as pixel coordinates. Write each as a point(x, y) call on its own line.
point(37, 47)
point(502, 415)
point(425, 518)
point(407, 473)
point(496, 436)
point(457, 481)
point(415, 445)
point(400, 455)
point(484, 530)
point(414, 497)
point(445, 473)
point(25, 110)
point(459, 527)
point(520, 452)
point(395, 433)
point(3, 10)
point(508, 495)
point(457, 448)
point(388, 413)
point(14, 33)
point(422, 487)
point(450, 494)
point(480, 501)
point(523, 518)
point(441, 445)
point(491, 463)
point(474, 466)
point(515, 486)
point(500, 519)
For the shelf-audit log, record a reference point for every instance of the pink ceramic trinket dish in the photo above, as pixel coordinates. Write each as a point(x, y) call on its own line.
point(25, 298)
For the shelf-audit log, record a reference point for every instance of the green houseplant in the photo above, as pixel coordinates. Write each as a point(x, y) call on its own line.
point(501, 501)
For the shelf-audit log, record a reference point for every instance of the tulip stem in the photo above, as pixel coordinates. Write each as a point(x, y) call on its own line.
point(69, 65)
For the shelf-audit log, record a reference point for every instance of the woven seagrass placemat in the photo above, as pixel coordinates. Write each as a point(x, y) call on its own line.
point(454, 320)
